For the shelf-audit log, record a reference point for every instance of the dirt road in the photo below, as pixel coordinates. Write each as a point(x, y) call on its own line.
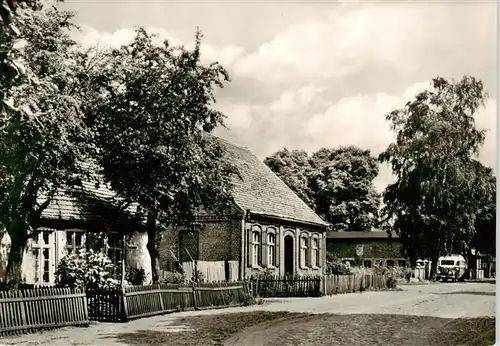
point(438, 302)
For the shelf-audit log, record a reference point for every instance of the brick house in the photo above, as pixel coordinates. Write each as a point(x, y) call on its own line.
point(69, 223)
point(267, 227)
point(370, 248)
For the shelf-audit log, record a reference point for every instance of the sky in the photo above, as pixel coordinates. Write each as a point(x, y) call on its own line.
point(307, 75)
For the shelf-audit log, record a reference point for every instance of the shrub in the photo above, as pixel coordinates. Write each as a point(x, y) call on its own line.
point(174, 278)
point(336, 267)
point(86, 269)
point(391, 282)
point(198, 276)
point(135, 276)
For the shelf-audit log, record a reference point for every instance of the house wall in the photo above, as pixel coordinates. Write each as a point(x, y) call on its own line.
point(281, 231)
point(56, 247)
point(374, 250)
point(217, 240)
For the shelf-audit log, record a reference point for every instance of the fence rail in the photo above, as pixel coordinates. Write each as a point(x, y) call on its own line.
point(286, 286)
point(26, 310)
point(314, 286)
point(148, 300)
point(338, 284)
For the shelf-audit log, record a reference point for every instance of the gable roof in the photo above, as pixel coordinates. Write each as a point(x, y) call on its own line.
point(261, 192)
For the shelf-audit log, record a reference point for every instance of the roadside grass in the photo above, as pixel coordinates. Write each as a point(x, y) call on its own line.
point(284, 328)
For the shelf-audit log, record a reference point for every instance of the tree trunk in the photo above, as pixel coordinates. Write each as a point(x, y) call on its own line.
point(13, 274)
point(151, 246)
point(434, 262)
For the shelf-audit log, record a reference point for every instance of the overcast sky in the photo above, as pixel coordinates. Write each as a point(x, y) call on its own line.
point(307, 75)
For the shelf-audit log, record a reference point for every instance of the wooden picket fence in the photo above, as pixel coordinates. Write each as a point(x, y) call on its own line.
point(41, 308)
point(148, 300)
point(314, 286)
point(338, 284)
point(286, 286)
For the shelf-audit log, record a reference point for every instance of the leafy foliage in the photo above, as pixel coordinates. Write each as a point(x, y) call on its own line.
point(135, 276)
point(337, 267)
point(43, 137)
point(336, 183)
point(174, 278)
point(441, 188)
point(86, 269)
point(151, 108)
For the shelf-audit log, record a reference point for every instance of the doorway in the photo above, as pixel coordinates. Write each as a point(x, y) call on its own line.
point(289, 255)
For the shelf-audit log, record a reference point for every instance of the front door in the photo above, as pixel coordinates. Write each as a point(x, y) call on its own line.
point(289, 255)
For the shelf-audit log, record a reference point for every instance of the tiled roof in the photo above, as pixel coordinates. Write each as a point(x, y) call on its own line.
point(261, 192)
point(90, 203)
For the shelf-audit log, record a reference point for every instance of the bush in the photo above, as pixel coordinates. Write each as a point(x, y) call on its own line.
point(174, 278)
point(135, 276)
point(391, 282)
point(86, 269)
point(336, 267)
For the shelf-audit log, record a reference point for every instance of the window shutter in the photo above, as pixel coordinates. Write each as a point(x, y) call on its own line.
point(264, 252)
point(250, 247)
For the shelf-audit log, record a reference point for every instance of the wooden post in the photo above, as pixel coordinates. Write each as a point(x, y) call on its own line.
point(195, 298)
point(124, 305)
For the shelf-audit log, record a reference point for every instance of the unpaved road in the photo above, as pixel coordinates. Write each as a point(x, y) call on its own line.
point(445, 300)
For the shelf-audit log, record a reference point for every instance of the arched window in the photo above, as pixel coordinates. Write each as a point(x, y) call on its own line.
point(303, 251)
point(256, 248)
point(271, 249)
point(315, 252)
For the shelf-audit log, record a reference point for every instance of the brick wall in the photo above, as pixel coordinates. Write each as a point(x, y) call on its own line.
point(218, 240)
point(373, 250)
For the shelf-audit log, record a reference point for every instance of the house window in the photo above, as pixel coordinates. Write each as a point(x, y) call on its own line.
point(256, 248)
point(315, 252)
point(74, 240)
point(368, 264)
point(43, 256)
point(271, 249)
point(390, 263)
point(303, 252)
point(115, 243)
point(188, 240)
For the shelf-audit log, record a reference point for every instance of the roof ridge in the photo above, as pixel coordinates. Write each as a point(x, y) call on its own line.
point(226, 140)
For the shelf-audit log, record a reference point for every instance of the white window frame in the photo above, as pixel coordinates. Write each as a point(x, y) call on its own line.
point(72, 247)
point(256, 248)
point(303, 251)
point(315, 252)
point(40, 249)
point(271, 250)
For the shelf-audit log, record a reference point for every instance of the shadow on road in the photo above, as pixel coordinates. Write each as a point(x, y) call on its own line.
point(476, 293)
point(281, 328)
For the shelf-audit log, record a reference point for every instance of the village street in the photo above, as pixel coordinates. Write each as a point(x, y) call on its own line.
point(421, 308)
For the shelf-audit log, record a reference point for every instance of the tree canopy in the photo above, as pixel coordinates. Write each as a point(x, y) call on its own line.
point(336, 183)
point(151, 109)
point(43, 137)
point(440, 186)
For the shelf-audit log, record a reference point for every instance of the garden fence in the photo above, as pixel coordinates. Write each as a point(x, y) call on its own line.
point(147, 300)
point(34, 309)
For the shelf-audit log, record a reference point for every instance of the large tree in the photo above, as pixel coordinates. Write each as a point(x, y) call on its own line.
point(336, 183)
point(151, 109)
point(42, 134)
point(294, 168)
point(440, 186)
